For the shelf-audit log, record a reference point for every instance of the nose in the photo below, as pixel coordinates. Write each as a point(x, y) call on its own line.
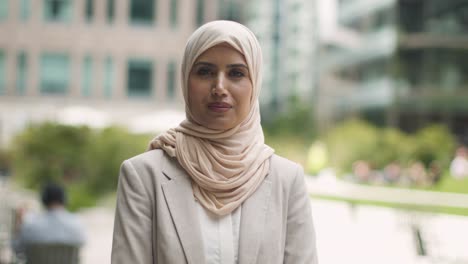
point(219, 85)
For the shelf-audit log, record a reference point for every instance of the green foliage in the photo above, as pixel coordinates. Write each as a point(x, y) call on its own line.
point(434, 143)
point(84, 160)
point(298, 121)
point(110, 147)
point(350, 141)
point(5, 161)
point(291, 132)
point(50, 152)
point(358, 140)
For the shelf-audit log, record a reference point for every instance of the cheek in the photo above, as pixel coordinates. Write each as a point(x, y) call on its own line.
point(244, 96)
point(192, 92)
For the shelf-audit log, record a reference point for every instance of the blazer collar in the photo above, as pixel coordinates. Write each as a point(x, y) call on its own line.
point(181, 203)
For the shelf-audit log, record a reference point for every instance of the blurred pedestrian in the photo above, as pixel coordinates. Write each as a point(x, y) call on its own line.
point(210, 190)
point(459, 165)
point(55, 225)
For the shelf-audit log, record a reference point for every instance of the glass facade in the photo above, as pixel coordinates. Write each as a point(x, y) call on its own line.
point(435, 16)
point(87, 76)
point(89, 10)
point(25, 9)
point(3, 10)
point(21, 73)
point(142, 11)
point(173, 13)
point(230, 10)
point(108, 77)
point(110, 9)
point(54, 73)
point(200, 16)
point(58, 10)
point(171, 80)
point(140, 77)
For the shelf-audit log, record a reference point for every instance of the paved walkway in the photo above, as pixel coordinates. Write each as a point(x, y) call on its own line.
point(328, 185)
point(345, 234)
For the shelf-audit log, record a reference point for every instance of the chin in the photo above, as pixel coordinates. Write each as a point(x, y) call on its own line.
point(219, 126)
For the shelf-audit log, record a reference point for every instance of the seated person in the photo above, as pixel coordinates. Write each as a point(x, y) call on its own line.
point(53, 226)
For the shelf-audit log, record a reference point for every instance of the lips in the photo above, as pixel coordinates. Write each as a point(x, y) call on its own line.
point(219, 106)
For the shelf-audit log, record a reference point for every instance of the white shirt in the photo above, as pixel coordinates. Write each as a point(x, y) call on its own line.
point(220, 236)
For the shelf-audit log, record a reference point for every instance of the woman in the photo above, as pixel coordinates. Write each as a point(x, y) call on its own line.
point(210, 190)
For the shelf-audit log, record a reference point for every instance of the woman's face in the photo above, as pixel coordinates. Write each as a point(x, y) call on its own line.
point(219, 88)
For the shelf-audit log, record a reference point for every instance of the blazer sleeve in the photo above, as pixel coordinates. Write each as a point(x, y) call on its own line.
point(300, 245)
point(132, 239)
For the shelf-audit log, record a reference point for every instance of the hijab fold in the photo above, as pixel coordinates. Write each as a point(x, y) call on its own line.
point(226, 167)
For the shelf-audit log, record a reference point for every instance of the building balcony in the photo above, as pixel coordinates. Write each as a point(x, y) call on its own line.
point(351, 10)
point(370, 94)
point(377, 45)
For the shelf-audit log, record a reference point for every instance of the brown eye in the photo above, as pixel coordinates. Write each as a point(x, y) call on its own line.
point(204, 71)
point(236, 73)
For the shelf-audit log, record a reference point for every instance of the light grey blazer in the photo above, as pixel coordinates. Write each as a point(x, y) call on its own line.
point(156, 220)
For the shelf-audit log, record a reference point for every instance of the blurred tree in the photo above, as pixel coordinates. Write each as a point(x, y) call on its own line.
point(351, 141)
point(86, 161)
point(50, 151)
point(355, 140)
point(5, 161)
point(298, 121)
point(435, 143)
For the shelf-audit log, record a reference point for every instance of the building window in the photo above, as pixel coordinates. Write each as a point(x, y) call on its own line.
point(55, 73)
point(87, 76)
point(200, 12)
point(58, 10)
point(108, 77)
point(2, 72)
point(22, 72)
point(171, 80)
point(142, 11)
point(89, 10)
point(230, 10)
point(140, 78)
point(173, 13)
point(110, 10)
point(25, 9)
point(3, 10)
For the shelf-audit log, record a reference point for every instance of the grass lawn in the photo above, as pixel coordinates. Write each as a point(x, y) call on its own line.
point(447, 184)
point(431, 209)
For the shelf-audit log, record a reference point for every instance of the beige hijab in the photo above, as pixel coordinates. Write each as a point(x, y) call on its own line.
point(226, 166)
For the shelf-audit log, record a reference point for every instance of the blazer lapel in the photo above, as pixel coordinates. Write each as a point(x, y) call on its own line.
point(253, 221)
point(181, 203)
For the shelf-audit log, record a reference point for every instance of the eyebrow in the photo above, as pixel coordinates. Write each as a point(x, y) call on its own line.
point(229, 65)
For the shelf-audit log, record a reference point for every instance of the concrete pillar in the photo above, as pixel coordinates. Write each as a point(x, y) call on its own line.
point(98, 75)
point(76, 61)
point(121, 12)
point(37, 13)
point(78, 10)
point(162, 9)
point(10, 70)
point(33, 73)
point(120, 76)
point(100, 16)
point(157, 91)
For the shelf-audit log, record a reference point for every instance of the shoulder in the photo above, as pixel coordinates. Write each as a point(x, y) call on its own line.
point(285, 171)
point(148, 169)
point(283, 165)
point(151, 161)
point(148, 158)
